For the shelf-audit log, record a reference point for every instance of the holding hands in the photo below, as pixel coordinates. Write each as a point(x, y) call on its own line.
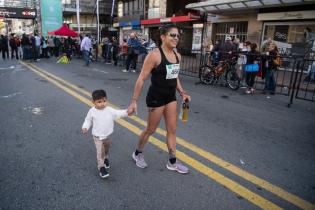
point(132, 107)
point(84, 130)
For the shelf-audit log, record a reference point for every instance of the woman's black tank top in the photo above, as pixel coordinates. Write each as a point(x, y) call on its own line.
point(164, 76)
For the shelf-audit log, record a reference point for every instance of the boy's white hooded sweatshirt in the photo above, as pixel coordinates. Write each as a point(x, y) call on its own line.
point(103, 121)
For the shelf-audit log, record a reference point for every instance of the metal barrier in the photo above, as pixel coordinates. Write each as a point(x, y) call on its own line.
point(303, 87)
point(293, 69)
point(283, 75)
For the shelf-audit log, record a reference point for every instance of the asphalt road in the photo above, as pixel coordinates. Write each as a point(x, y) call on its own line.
point(244, 152)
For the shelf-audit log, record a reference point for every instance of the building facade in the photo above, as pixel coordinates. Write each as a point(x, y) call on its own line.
point(146, 16)
point(129, 16)
point(283, 21)
point(18, 16)
point(88, 20)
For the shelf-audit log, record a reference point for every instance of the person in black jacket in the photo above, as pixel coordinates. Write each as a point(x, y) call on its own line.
point(227, 49)
point(115, 47)
point(5, 47)
point(14, 48)
point(26, 47)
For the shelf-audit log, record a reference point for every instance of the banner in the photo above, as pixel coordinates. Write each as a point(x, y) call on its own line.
point(51, 11)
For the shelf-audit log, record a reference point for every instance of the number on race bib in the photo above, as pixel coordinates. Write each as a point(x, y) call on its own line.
point(172, 71)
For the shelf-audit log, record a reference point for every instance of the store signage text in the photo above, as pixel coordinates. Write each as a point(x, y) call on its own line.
point(23, 13)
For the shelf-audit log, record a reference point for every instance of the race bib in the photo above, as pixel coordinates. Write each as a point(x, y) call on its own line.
point(172, 71)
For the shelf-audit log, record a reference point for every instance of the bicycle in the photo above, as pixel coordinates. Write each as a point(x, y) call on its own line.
point(223, 72)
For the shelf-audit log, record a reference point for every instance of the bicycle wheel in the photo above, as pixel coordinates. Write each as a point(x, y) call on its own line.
point(207, 75)
point(232, 80)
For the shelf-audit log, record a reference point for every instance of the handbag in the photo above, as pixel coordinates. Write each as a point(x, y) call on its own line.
point(252, 67)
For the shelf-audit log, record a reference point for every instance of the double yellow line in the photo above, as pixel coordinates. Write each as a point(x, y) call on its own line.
point(197, 165)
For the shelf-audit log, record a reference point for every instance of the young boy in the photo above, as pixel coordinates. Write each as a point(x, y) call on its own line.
point(102, 118)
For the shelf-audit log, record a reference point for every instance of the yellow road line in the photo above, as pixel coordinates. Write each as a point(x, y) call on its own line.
point(230, 184)
point(303, 204)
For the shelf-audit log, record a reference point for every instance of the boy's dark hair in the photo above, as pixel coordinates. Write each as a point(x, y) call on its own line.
point(166, 28)
point(98, 94)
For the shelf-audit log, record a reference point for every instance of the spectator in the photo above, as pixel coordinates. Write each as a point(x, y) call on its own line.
point(51, 46)
point(271, 67)
point(57, 43)
point(207, 48)
point(13, 42)
point(266, 44)
point(5, 47)
point(133, 52)
point(18, 44)
point(107, 50)
point(251, 68)
point(123, 51)
point(115, 47)
point(227, 49)
point(143, 49)
point(37, 47)
point(241, 62)
point(215, 57)
point(86, 45)
point(26, 47)
point(44, 48)
point(152, 44)
point(236, 43)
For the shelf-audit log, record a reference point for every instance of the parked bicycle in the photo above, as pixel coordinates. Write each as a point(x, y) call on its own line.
point(222, 73)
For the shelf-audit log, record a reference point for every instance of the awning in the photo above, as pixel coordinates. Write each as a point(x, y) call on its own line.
point(216, 6)
point(186, 18)
point(64, 31)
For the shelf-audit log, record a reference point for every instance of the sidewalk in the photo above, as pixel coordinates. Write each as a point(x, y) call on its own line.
point(283, 79)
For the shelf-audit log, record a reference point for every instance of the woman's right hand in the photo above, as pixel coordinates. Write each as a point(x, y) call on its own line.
point(132, 107)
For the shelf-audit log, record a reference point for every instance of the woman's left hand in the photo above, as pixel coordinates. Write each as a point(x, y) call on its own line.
point(185, 96)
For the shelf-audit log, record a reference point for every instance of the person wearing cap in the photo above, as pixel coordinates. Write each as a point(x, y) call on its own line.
point(227, 49)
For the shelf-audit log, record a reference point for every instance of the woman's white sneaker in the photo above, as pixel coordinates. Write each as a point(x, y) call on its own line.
point(177, 166)
point(139, 159)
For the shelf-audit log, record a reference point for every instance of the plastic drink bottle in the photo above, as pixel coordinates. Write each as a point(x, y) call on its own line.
point(185, 109)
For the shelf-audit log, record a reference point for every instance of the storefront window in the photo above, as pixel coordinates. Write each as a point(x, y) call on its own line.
point(290, 37)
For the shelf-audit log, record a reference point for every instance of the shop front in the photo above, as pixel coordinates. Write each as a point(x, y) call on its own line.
point(184, 23)
point(17, 20)
point(126, 25)
point(291, 31)
point(283, 21)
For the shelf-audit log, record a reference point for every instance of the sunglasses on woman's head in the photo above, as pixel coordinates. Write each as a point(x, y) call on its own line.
point(173, 35)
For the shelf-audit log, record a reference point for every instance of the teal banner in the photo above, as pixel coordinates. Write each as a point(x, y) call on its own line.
point(51, 15)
